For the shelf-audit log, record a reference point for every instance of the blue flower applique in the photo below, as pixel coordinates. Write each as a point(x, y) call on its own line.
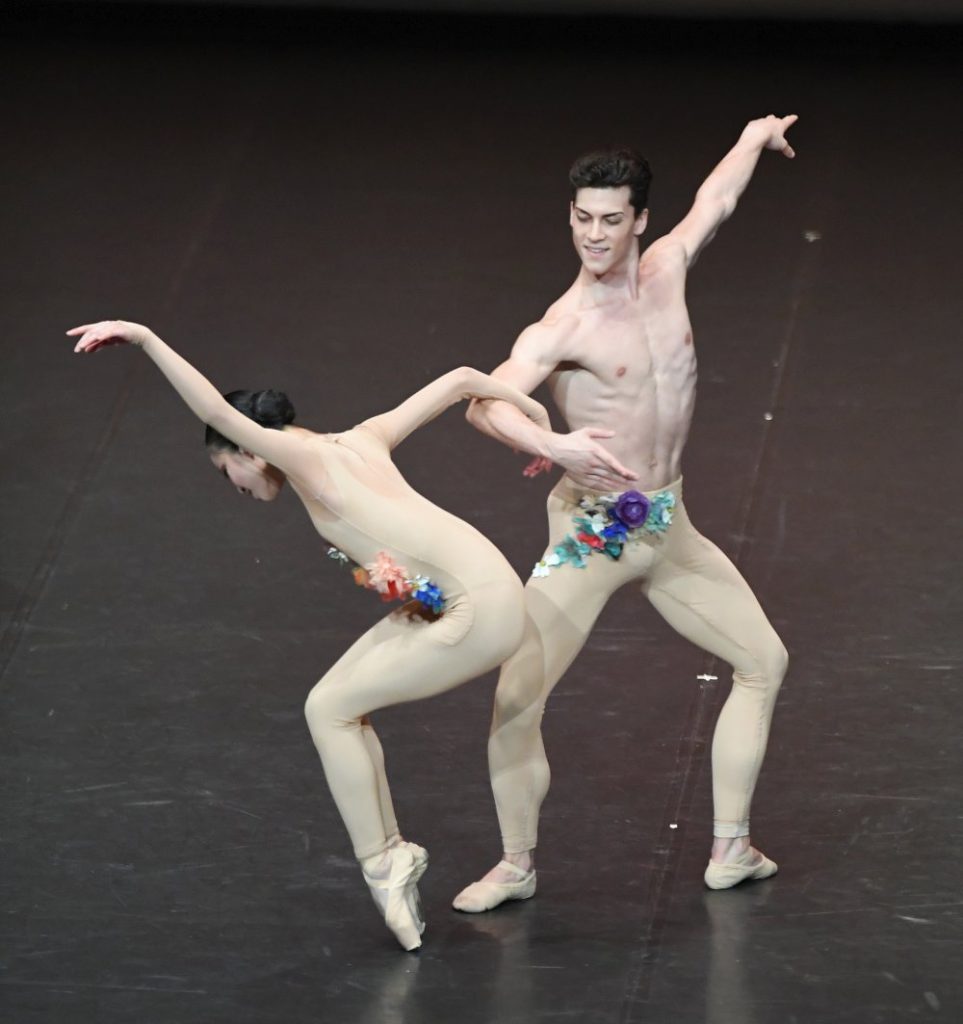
point(428, 593)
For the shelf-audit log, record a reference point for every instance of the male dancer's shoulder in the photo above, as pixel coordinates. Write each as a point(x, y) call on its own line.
point(552, 338)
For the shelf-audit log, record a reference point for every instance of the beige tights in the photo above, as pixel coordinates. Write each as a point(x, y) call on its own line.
point(702, 595)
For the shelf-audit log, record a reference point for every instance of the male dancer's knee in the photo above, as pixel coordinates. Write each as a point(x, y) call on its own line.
point(770, 660)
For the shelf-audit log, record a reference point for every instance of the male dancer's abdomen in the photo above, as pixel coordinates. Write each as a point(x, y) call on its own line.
point(650, 434)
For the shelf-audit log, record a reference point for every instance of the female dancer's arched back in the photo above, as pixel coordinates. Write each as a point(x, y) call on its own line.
point(464, 614)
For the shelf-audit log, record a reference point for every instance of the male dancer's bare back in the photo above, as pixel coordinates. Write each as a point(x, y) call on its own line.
point(617, 352)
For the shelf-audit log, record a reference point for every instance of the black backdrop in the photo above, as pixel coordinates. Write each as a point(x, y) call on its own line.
point(847, 10)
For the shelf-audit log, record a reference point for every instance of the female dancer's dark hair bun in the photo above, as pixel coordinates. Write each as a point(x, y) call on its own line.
point(271, 409)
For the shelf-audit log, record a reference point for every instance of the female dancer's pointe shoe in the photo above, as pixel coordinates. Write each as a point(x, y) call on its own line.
point(751, 864)
point(397, 895)
point(481, 896)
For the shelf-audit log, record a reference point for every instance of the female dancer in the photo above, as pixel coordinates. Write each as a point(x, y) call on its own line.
point(465, 612)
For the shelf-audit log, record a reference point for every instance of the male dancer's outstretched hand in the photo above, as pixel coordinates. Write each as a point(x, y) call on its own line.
point(773, 131)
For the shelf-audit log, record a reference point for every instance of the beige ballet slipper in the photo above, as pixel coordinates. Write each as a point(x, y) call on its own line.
point(481, 896)
point(748, 865)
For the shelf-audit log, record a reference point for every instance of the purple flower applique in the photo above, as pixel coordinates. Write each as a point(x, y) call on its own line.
point(632, 509)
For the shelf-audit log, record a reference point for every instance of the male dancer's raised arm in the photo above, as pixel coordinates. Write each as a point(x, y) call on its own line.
point(716, 199)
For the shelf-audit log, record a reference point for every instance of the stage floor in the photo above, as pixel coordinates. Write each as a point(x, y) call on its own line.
point(346, 223)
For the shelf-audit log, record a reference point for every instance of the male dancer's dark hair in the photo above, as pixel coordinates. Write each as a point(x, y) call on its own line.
point(613, 168)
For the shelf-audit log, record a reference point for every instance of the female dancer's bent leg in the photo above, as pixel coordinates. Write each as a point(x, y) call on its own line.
point(396, 661)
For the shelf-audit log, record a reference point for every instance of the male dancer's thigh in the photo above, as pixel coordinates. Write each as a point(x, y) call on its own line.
point(705, 598)
point(562, 607)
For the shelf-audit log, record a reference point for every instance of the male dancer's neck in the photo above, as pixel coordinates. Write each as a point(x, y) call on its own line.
point(619, 282)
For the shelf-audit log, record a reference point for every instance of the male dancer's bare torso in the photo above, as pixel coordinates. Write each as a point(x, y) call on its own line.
point(621, 355)
point(616, 349)
point(628, 362)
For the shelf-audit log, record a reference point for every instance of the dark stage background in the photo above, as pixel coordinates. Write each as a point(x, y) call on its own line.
point(877, 10)
point(345, 206)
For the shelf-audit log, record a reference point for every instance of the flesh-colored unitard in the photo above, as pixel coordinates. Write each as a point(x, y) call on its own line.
point(360, 502)
point(399, 659)
point(700, 593)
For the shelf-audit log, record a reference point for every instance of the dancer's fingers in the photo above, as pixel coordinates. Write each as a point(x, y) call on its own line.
point(610, 463)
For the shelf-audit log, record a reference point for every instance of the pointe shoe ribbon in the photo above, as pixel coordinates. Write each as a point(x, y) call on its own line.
point(749, 865)
point(481, 896)
point(397, 895)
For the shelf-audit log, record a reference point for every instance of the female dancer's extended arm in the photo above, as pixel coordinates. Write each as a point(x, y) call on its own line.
point(433, 399)
point(201, 397)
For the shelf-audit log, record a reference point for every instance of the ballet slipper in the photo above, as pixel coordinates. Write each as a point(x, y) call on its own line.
point(744, 867)
point(397, 895)
point(481, 896)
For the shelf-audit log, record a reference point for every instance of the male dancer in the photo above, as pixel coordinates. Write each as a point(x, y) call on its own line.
point(617, 352)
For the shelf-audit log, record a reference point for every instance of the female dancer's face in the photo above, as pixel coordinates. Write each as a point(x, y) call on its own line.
point(250, 474)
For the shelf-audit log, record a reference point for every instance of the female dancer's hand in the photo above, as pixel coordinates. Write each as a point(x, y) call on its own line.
point(540, 464)
point(109, 332)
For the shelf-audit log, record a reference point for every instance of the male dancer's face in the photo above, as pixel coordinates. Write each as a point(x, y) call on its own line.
point(604, 228)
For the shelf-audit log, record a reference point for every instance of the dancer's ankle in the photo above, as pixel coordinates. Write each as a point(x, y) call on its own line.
point(377, 867)
point(725, 849)
point(525, 861)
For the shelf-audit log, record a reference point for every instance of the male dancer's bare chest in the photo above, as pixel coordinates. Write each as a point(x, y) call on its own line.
point(622, 357)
